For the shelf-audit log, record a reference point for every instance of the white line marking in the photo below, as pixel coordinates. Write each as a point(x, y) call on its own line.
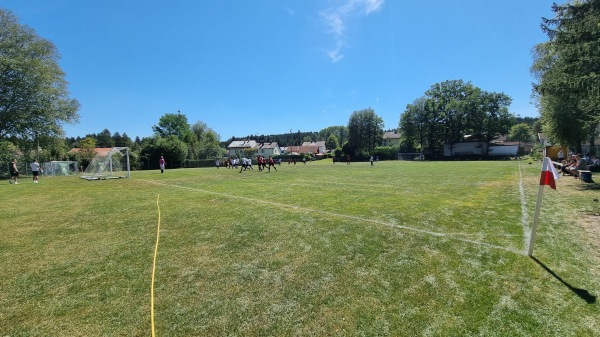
point(310, 210)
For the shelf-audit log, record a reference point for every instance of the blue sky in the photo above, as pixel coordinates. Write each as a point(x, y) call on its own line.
point(270, 66)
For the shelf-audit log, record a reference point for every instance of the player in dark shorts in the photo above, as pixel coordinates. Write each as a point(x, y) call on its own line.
point(259, 161)
point(35, 171)
point(264, 163)
point(14, 172)
point(272, 163)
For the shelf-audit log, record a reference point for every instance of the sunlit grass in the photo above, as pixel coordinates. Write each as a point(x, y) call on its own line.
point(400, 248)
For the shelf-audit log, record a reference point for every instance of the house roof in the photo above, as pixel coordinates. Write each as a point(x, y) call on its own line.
point(270, 145)
point(101, 151)
point(243, 144)
point(391, 135)
point(320, 143)
point(304, 149)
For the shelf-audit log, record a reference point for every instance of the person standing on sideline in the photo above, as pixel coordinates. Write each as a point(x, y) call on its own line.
point(371, 160)
point(561, 156)
point(35, 171)
point(348, 160)
point(14, 172)
point(161, 163)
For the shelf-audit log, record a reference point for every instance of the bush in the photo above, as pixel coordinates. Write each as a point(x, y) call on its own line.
point(386, 152)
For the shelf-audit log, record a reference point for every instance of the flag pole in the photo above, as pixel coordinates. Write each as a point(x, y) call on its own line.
point(536, 218)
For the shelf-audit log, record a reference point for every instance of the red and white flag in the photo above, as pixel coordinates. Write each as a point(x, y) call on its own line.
point(549, 173)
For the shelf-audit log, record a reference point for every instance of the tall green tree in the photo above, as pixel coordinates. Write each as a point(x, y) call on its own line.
point(415, 125)
point(332, 142)
point(206, 143)
point(174, 125)
point(171, 148)
point(87, 151)
point(448, 99)
point(497, 118)
point(340, 132)
point(520, 133)
point(105, 139)
point(365, 132)
point(122, 140)
point(450, 110)
point(567, 69)
point(34, 100)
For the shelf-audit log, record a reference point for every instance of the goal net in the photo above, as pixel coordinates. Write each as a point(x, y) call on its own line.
point(110, 164)
point(411, 156)
point(60, 168)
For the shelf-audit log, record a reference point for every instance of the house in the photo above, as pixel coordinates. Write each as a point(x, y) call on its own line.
point(544, 140)
point(309, 149)
point(238, 148)
point(391, 138)
point(268, 149)
point(478, 149)
point(321, 148)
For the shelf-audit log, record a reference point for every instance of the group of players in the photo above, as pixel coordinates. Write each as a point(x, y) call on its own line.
point(246, 163)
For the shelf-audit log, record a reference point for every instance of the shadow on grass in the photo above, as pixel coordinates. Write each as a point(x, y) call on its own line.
point(591, 186)
point(582, 293)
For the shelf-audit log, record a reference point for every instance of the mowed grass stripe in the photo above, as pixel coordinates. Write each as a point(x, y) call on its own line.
point(425, 202)
point(358, 220)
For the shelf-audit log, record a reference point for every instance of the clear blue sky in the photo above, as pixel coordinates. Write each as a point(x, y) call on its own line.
point(267, 66)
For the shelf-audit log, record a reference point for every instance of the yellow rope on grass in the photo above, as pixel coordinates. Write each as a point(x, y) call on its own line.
point(154, 269)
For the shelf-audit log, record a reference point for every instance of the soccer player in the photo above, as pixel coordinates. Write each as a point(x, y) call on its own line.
point(35, 171)
point(272, 163)
point(161, 163)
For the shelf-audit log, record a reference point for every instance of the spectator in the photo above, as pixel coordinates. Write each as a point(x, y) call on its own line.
point(594, 164)
point(14, 172)
point(580, 165)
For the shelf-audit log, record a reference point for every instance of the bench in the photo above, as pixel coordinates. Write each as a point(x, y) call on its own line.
point(585, 175)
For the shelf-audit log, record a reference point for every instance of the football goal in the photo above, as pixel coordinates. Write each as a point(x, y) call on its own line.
point(60, 168)
point(411, 156)
point(112, 163)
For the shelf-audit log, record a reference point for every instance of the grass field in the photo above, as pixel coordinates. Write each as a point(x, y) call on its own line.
point(397, 249)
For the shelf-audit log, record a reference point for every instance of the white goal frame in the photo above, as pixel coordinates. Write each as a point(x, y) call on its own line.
point(113, 165)
point(60, 168)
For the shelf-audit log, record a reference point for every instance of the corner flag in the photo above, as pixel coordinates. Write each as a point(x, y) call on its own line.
point(549, 174)
point(548, 177)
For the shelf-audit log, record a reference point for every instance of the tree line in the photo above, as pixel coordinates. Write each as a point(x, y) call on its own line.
point(451, 110)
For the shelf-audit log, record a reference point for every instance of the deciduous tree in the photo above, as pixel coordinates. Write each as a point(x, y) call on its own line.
point(173, 125)
point(365, 132)
point(34, 100)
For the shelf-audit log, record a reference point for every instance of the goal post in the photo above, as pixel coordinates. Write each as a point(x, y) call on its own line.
point(110, 164)
point(60, 168)
point(411, 156)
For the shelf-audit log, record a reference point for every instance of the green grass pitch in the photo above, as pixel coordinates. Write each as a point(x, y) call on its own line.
point(322, 249)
